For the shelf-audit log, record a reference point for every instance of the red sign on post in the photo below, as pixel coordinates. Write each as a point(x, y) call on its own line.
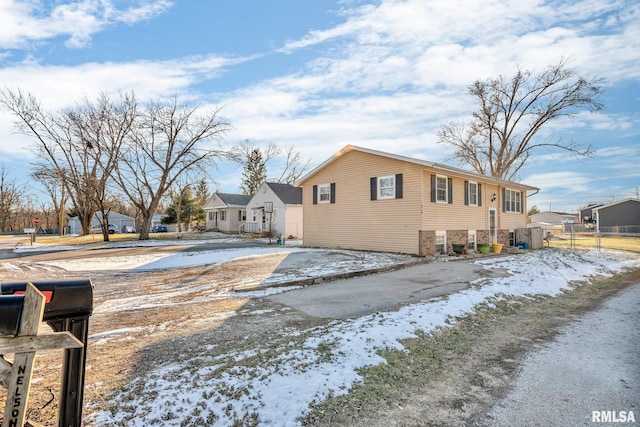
point(36, 220)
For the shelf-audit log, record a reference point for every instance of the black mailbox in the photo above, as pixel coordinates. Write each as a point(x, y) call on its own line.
point(69, 303)
point(65, 298)
point(11, 309)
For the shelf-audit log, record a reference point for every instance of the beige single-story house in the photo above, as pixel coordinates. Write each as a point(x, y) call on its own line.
point(226, 212)
point(276, 208)
point(371, 200)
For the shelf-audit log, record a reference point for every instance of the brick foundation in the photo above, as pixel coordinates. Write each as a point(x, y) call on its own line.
point(427, 242)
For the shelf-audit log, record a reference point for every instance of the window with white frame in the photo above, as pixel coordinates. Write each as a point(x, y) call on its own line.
point(254, 216)
point(223, 215)
point(512, 201)
point(471, 241)
point(473, 193)
point(441, 189)
point(210, 216)
point(324, 193)
point(441, 242)
point(387, 187)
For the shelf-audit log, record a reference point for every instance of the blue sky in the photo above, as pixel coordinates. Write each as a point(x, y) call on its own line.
point(322, 74)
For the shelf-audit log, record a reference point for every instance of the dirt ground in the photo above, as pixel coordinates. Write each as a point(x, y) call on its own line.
point(151, 334)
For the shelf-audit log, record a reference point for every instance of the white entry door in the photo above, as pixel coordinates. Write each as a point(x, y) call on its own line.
point(493, 225)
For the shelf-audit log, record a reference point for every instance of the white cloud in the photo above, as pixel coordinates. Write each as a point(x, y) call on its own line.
point(24, 22)
point(576, 182)
point(61, 86)
point(386, 77)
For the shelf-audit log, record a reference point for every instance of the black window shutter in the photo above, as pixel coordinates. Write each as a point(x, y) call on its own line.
point(450, 189)
point(399, 186)
point(374, 188)
point(332, 196)
point(466, 193)
point(504, 202)
point(479, 194)
point(433, 188)
point(315, 194)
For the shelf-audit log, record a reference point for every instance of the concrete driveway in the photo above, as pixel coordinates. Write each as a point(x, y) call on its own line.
point(368, 294)
point(588, 376)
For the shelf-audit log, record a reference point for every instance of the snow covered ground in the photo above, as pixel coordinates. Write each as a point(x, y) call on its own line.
point(276, 381)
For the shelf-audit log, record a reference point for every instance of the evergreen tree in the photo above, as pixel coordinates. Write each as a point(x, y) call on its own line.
point(255, 172)
point(188, 207)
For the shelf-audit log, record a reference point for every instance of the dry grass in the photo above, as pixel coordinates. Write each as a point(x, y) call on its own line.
point(631, 244)
point(97, 238)
point(454, 375)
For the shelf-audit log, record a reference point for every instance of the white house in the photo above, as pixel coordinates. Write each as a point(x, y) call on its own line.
point(116, 219)
point(277, 208)
point(226, 212)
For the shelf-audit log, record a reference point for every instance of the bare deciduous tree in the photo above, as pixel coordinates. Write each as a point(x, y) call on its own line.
point(51, 181)
point(10, 198)
point(294, 166)
point(56, 149)
point(503, 131)
point(79, 146)
point(256, 160)
point(102, 128)
point(168, 141)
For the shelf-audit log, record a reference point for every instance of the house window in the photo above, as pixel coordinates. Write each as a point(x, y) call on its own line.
point(441, 242)
point(441, 189)
point(324, 193)
point(512, 238)
point(210, 216)
point(223, 215)
point(254, 216)
point(473, 193)
point(512, 201)
point(471, 241)
point(387, 187)
point(242, 215)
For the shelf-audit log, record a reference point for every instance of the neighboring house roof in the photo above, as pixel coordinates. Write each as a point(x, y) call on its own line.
point(229, 199)
point(615, 203)
point(113, 216)
point(287, 193)
point(436, 166)
point(552, 217)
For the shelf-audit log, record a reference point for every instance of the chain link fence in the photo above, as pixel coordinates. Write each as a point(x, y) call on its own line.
point(623, 237)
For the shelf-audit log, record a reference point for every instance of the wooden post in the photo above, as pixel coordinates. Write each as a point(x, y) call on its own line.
point(17, 376)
